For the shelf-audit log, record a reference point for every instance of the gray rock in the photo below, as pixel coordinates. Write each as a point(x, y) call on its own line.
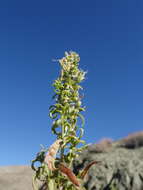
point(121, 168)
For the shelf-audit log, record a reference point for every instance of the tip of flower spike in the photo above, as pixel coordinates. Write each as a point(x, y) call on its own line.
point(72, 56)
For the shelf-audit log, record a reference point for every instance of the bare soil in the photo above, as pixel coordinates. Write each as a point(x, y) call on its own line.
point(16, 178)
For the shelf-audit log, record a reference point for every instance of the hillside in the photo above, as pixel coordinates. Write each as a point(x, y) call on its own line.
point(15, 178)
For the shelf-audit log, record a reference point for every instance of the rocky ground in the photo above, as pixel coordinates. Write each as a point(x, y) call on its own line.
point(121, 165)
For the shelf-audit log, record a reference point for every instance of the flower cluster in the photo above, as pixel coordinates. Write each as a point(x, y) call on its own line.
point(68, 102)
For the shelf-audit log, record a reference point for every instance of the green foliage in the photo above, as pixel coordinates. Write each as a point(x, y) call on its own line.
point(65, 113)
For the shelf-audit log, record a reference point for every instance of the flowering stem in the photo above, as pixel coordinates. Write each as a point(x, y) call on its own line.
point(65, 113)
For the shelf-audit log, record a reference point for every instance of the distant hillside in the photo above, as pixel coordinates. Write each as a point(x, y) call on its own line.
point(15, 178)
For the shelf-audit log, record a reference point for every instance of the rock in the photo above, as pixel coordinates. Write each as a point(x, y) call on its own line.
point(121, 168)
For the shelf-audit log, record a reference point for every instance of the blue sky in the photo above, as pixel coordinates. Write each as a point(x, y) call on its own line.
point(108, 35)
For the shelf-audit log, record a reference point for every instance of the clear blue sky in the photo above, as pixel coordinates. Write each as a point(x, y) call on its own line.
point(108, 35)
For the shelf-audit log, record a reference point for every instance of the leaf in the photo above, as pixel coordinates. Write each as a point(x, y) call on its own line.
point(51, 185)
point(82, 119)
point(56, 124)
point(81, 133)
point(53, 114)
point(52, 107)
point(68, 172)
point(34, 184)
point(86, 169)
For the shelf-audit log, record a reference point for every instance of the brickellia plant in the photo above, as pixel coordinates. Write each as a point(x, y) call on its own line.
point(55, 163)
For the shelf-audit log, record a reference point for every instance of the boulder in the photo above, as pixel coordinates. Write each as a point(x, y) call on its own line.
point(121, 166)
